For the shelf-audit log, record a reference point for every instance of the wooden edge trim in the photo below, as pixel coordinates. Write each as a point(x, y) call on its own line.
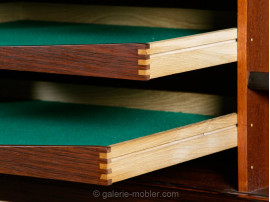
point(172, 135)
point(199, 135)
point(192, 41)
point(175, 62)
point(178, 152)
point(200, 47)
point(182, 60)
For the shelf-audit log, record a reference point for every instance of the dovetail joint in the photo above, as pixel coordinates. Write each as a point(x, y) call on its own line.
point(105, 167)
point(143, 51)
point(103, 155)
point(144, 72)
point(144, 62)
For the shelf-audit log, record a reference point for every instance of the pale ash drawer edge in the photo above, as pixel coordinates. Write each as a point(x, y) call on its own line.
point(190, 53)
point(187, 143)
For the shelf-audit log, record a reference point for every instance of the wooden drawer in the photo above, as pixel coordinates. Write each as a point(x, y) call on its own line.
point(78, 40)
point(130, 132)
point(107, 143)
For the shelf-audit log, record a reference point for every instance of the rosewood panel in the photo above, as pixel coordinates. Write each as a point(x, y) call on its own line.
point(108, 60)
point(70, 163)
point(253, 106)
point(210, 178)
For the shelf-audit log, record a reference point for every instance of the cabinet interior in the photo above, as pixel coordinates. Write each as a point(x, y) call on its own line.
point(148, 122)
point(77, 23)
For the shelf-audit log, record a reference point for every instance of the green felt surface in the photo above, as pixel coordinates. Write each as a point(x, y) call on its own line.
point(55, 33)
point(53, 123)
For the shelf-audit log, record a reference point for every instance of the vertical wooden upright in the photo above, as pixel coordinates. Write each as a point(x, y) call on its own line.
point(253, 106)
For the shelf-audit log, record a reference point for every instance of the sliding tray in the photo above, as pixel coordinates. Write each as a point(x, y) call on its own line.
point(98, 144)
point(29, 42)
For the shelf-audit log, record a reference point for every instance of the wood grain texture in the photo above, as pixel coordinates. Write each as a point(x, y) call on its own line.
point(191, 59)
point(111, 60)
point(124, 61)
point(89, 164)
point(253, 107)
point(216, 173)
point(211, 178)
point(258, 140)
point(192, 41)
point(195, 103)
point(242, 96)
point(70, 163)
point(134, 16)
point(166, 155)
point(174, 135)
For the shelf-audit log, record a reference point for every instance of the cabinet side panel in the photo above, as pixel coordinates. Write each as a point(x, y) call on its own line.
point(253, 106)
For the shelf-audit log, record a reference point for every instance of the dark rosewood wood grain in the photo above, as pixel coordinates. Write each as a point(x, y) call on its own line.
point(258, 81)
point(70, 163)
point(102, 60)
point(253, 107)
point(258, 140)
point(211, 178)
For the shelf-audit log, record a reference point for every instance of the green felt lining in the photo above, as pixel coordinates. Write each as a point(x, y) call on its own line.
point(56, 33)
point(53, 123)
